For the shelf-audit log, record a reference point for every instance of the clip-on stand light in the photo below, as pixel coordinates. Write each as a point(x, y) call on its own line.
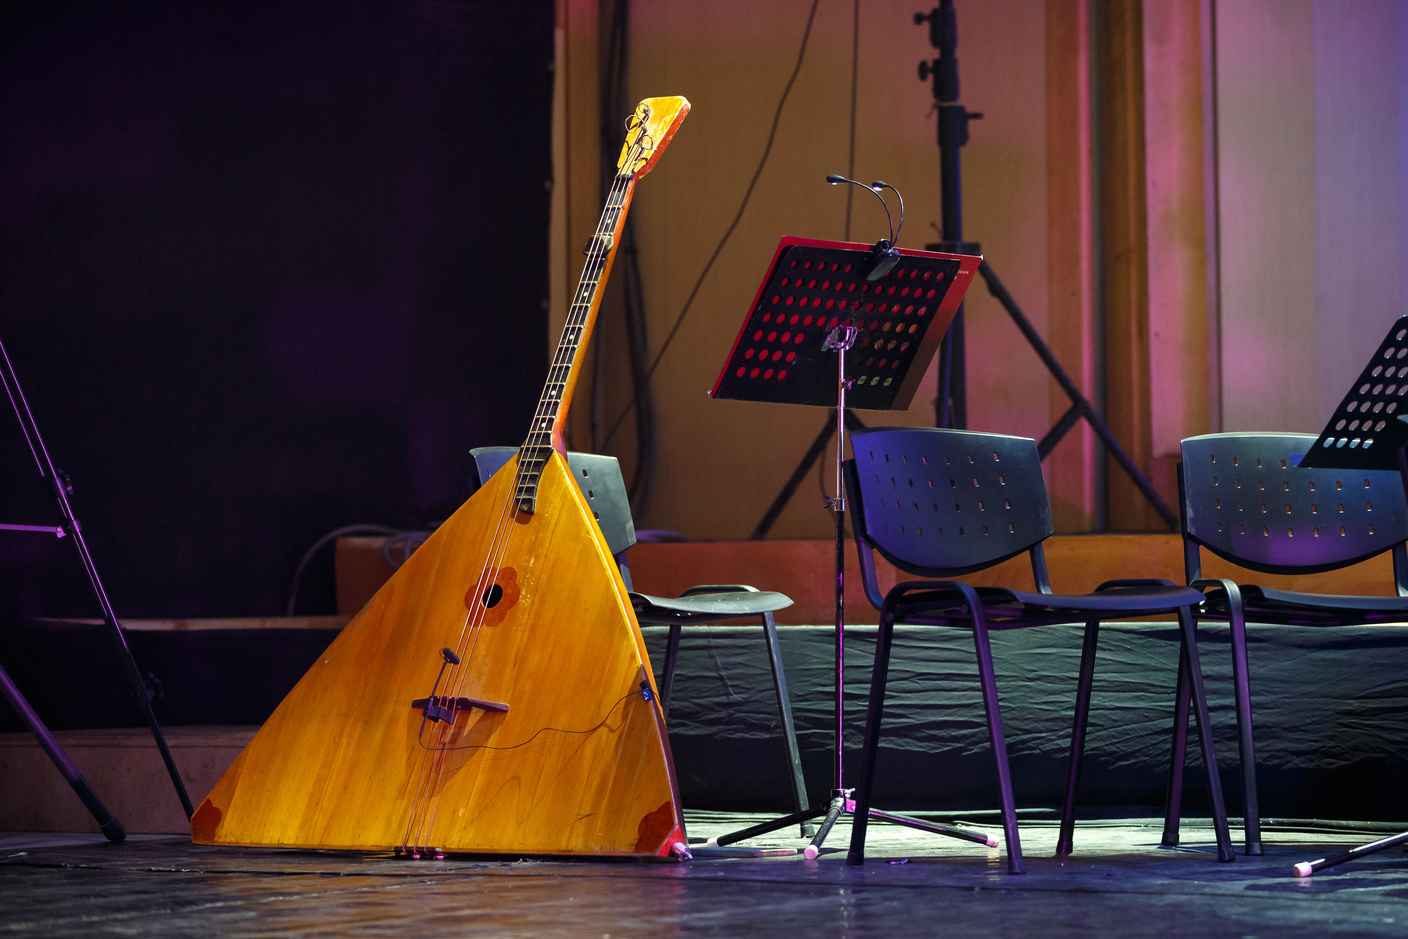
point(1369, 430)
point(889, 306)
point(70, 528)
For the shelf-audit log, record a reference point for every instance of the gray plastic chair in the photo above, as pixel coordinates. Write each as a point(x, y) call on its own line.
point(1245, 498)
point(939, 504)
point(599, 479)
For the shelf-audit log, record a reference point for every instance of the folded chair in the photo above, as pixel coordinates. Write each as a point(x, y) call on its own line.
point(1245, 498)
point(600, 481)
point(939, 504)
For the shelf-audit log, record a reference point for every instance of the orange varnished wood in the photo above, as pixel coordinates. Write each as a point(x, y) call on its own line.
point(336, 764)
point(520, 591)
point(664, 116)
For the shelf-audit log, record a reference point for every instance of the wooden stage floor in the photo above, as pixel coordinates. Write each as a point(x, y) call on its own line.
point(1120, 883)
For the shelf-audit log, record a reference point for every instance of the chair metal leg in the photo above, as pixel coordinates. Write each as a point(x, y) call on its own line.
point(1246, 749)
point(1015, 864)
point(672, 651)
point(1087, 674)
point(784, 713)
point(1173, 800)
point(860, 816)
point(1200, 709)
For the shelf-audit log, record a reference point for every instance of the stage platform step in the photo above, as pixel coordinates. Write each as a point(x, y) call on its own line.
point(124, 768)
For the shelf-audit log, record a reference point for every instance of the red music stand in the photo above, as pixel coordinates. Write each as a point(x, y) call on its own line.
point(815, 286)
point(891, 307)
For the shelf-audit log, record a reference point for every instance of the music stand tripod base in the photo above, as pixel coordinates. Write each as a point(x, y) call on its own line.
point(821, 297)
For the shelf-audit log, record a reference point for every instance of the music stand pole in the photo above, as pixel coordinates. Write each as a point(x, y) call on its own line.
point(70, 527)
point(840, 338)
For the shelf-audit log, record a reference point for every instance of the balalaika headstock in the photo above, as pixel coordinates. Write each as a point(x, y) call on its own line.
point(648, 133)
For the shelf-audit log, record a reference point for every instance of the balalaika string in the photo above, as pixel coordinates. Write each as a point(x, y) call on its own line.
point(533, 456)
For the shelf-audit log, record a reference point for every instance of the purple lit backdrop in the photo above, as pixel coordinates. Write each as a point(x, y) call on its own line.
point(265, 270)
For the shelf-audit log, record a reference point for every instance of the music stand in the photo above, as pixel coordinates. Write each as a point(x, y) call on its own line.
point(893, 307)
point(70, 528)
point(1369, 430)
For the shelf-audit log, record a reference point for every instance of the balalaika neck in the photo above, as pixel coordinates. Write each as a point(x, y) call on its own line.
point(546, 431)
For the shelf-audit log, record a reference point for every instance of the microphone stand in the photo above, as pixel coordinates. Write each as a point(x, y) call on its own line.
point(61, 489)
point(953, 395)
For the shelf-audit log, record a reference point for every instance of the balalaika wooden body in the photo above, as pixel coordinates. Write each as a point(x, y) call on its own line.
point(495, 695)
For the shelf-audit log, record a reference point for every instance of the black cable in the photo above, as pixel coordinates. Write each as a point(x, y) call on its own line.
point(613, 102)
point(330, 536)
point(540, 731)
point(406, 542)
point(851, 157)
point(609, 106)
point(748, 194)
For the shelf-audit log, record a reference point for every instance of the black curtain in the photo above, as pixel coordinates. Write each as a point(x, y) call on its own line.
point(266, 269)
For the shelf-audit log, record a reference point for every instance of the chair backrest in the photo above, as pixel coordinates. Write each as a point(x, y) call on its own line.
point(1245, 498)
point(598, 477)
point(942, 503)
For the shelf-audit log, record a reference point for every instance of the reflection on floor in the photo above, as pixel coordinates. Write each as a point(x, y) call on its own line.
point(1119, 882)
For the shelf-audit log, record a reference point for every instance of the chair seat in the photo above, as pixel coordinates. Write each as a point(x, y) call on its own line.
point(1290, 607)
point(599, 480)
point(703, 607)
point(1001, 603)
point(713, 603)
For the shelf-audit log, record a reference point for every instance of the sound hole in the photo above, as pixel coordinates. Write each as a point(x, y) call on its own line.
point(495, 602)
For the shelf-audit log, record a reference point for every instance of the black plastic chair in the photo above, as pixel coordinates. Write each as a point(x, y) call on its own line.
point(1245, 498)
point(944, 503)
point(600, 481)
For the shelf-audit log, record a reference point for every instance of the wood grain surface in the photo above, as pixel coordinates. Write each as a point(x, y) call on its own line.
point(580, 762)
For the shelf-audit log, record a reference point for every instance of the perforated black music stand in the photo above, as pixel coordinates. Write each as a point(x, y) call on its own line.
point(1370, 425)
point(892, 310)
point(814, 286)
point(1369, 430)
